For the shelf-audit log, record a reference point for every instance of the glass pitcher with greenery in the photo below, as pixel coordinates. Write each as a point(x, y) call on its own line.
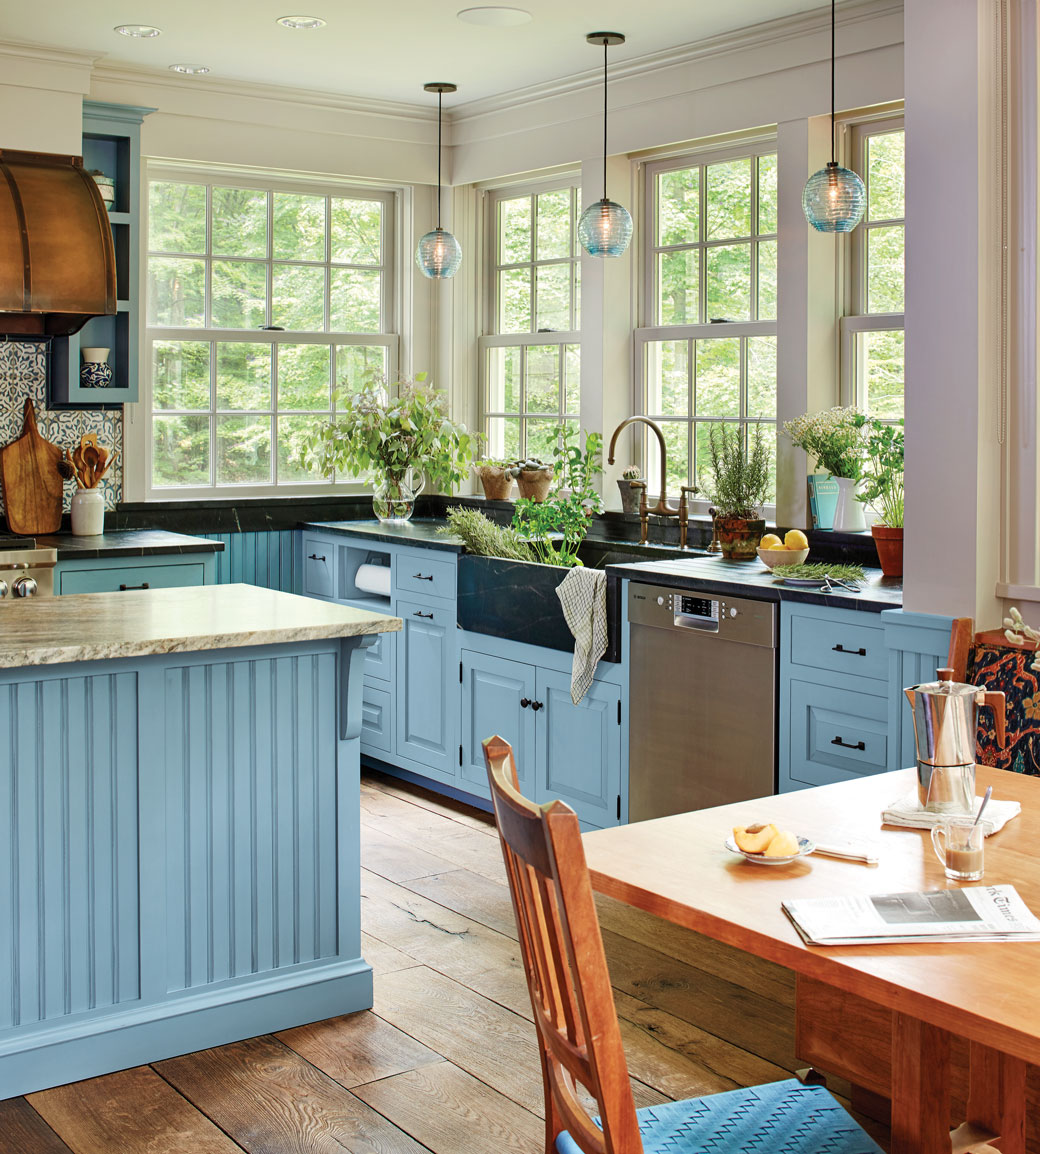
point(398, 440)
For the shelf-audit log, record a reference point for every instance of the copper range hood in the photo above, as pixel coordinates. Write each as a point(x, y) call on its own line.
point(57, 264)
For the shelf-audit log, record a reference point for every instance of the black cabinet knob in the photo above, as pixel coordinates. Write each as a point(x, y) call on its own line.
point(536, 705)
point(524, 702)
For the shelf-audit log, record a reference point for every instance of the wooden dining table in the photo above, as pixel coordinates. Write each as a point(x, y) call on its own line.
point(928, 995)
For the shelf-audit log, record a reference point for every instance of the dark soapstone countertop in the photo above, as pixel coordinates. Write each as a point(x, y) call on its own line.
point(712, 574)
point(129, 543)
point(423, 532)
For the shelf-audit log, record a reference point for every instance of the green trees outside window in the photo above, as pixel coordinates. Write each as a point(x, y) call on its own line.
point(262, 303)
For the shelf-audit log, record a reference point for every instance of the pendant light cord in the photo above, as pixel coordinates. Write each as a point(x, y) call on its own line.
point(834, 150)
point(440, 101)
point(605, 118)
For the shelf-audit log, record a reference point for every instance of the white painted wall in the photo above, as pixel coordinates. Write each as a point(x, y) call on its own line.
point(41, 99)
point(952, 455)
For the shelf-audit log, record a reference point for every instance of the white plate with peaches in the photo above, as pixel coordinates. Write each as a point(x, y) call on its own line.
point(767, 845)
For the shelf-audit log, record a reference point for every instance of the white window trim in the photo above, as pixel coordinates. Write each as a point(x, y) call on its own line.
point(137, 427)
point(708, 152)
point(491, 196)
point(855, 319)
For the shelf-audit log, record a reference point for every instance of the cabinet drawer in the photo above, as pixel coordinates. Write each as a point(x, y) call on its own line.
point(839, 644)
point(836, 734)
point(376, 720)
point(417, 572)
point(319, 567)
point(126, 577)
point(379, 655)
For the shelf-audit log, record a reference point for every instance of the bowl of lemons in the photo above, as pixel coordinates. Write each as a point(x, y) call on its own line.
point(792, 550)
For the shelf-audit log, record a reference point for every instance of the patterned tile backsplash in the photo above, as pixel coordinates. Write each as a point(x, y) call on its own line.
point(23, 373)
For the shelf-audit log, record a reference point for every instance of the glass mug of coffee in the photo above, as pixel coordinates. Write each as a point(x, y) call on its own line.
point(961, 855)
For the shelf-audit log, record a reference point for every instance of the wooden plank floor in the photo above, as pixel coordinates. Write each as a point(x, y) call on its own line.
point(445, 1062)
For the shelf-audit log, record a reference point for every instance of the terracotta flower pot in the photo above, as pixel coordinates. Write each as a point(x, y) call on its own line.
point(889, 544)
point(534, 483)
point(497, 482)
point(739, 538)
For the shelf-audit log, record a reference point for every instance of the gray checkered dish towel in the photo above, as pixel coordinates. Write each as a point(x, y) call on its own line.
point(583, 595)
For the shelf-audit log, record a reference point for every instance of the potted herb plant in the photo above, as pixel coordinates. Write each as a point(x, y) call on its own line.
point(883, 492)
point(630, 492)
point(736, 486)
point(534, 478)
point(399, 440)
point(496, 477)
point(836, 438)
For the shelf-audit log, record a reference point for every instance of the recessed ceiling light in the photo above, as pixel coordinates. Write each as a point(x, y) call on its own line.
point(140, 31)
point(305, 23)
point(494, 17)
point(190, 69)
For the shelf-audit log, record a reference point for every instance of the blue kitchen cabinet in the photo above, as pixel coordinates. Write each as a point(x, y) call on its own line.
point(427, 694)
point(124, 573)
point(497, 695)
point(579, 756)
point(842, 713)
point(566, 751)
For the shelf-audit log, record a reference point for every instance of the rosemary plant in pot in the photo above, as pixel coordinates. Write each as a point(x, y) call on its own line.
point(736, 486)
point(883, 492)
point(399, 441)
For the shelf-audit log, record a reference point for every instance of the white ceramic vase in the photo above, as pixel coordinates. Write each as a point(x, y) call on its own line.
point(88, 513)
point(848, 513)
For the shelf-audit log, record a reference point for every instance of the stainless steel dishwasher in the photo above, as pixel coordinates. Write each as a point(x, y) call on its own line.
point(702, 700)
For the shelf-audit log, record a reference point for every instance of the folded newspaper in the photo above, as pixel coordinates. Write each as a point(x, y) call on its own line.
point(967, 914)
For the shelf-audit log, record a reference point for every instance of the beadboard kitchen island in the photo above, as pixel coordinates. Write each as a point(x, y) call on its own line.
point(179, 822)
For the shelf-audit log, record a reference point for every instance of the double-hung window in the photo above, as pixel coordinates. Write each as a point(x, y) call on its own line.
point(706, 350)
point(530, 353)
point(264, 299)
point(872, 332)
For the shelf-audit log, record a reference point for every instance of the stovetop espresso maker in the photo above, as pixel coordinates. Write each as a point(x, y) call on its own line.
point(946, 717)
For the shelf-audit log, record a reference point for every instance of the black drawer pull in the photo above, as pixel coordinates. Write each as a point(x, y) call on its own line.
point(845, 744)
point(428, 616)
point(536, 705)
point(524, 702)
point(315, 557)
point(851, 652)
point(124, 588)
point(421, 577)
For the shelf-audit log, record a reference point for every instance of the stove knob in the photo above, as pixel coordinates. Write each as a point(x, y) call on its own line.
point(24, 587)
point(3, 589)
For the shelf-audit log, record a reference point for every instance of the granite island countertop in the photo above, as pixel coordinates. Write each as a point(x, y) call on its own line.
point(142, 622)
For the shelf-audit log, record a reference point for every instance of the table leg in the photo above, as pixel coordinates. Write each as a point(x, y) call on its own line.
point(996, 1101)
point(920, 1087)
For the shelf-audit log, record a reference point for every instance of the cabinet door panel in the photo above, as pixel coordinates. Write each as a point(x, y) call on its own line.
point(580, 747)
point(426, 648)
point(492, 690)
point(836, 735)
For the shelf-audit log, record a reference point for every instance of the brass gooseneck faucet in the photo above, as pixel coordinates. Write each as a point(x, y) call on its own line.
point(662, 508)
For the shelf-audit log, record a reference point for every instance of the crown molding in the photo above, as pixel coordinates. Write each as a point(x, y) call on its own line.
point(304, 97)
point(772, 32)
point(42, 54)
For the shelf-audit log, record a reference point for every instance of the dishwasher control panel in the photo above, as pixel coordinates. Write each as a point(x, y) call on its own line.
point(734, 618)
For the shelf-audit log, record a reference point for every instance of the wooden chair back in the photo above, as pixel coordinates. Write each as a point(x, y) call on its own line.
point(575, 1017)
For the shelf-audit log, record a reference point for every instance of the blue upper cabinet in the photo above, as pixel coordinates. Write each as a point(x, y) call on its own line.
point(112, 145)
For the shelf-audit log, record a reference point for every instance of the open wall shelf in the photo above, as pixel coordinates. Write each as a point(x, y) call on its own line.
point(111, 144)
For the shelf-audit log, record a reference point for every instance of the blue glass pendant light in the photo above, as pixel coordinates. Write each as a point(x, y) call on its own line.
point(438, 254)
point(834, 197)
point(605, 228)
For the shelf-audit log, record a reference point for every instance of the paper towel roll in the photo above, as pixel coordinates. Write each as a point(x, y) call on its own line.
point(373, 579)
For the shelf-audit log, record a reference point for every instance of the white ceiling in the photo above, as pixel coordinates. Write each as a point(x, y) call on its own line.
point(384, 49)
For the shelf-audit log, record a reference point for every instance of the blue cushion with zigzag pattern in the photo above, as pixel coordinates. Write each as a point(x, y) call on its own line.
point(778, 1118)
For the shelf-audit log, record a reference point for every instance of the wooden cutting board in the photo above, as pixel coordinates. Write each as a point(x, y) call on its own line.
point(31, 483)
